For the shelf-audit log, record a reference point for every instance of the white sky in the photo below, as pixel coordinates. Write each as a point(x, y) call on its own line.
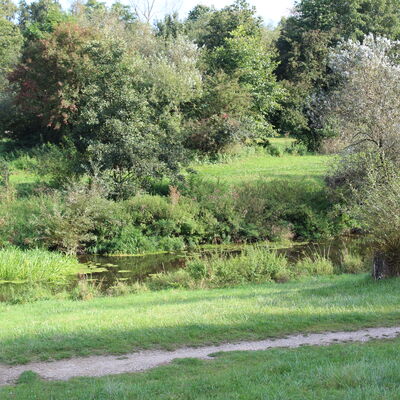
point(271, 10)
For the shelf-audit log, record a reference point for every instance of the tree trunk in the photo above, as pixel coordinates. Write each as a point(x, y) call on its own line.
point(380, 267)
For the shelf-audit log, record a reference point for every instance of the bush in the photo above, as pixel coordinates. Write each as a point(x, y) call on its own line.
point(253, 265)
point(274, 151)
point(159, 216)
point(296, 148)
point(377, 208)
point(211, 135)
point(352, 263)
point(81, 219)
point(315, 265)
point(171, 280)
point(17, 222)
point(78, 219)
point(302, 207)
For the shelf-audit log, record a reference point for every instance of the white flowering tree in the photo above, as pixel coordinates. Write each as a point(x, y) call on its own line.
point(365, 107)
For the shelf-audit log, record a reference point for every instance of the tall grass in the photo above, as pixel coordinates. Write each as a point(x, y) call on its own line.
point(36, 266)
point(254, 265)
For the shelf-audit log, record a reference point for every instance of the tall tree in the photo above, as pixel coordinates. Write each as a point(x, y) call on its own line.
point(304, 43)
point(40, 17)
point(10, 40)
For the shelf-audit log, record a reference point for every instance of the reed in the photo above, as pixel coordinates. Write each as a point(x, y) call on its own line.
point(36, 266)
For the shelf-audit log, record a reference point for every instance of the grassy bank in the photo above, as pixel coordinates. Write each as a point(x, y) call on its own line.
point(36, 266)
point(29, 275)
point(263, 166)
point(168, 319)
point(348, 371)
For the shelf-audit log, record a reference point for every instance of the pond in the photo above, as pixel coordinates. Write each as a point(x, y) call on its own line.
point(130, 269)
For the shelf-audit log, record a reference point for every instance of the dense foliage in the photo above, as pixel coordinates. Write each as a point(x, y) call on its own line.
point(128, 99)
point(315, 27)
point(82, 220)
point(111, 110)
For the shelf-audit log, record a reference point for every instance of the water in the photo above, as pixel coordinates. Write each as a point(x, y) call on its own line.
point(130, 269)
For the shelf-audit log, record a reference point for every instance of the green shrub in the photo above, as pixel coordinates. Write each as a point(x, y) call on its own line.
point(165, 218)
point(85, 290)
point(274, 151)
point(352, 263)
point(315, 265)
point(78, 219)
point(300, 206)
point(377, 209)
point(17, 221)
point(253, 265)
point(299, 149)
point(217, 208)
point(171, 280)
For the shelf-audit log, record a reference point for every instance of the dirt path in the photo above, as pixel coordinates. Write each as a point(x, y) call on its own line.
point(143, 360)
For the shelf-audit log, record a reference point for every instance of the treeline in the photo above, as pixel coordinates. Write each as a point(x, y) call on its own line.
point(124, 101)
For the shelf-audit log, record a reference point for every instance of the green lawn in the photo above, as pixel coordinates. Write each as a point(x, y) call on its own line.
point(339, 372)
point(258, 165)
point(168, 319)
point(264, 166)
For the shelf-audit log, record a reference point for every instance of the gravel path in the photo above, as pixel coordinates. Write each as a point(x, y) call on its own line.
point(143, 360)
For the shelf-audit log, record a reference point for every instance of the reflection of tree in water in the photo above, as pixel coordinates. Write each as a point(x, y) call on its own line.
point(132, 269)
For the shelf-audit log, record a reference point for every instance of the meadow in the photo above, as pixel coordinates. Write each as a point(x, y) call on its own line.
point(167, 319)
point(266, 167)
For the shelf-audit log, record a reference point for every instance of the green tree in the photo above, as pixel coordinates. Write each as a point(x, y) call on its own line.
point(10, 46)
point(304, 43)
point(10, 41)
point(234, 41)
point(117, 102)
point(221, 24)
point(250, 60)
point(40, 17)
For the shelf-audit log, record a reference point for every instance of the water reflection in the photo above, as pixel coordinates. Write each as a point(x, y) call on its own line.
point(131, 269)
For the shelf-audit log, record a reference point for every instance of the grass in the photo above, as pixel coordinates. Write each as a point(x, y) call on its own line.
point(253, 166)
point(255, 264)
point(29, 275)
point(36, 266)
point(267, 167)
point(346, 371)
point(169, 319)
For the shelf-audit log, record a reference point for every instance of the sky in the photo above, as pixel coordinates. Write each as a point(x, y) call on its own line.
point(271, 10)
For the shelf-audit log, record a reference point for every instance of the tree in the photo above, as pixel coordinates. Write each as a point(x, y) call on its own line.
point(249, 59)
point(364, 109)
point(118, 104)
point(233, 41)
point(364, 112)
point(10, 41)
point(221, 24)
point(10, 46)
point(40, 17)
point(170, 27)
point(304, 44)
